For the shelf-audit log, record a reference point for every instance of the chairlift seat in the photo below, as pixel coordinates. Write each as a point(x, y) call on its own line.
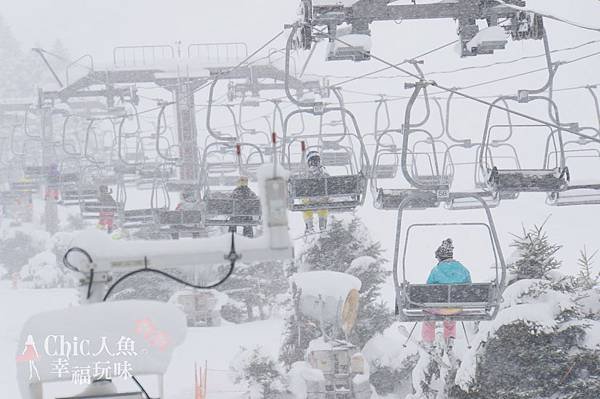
point(580, 194)
point(419, 302)
point(223, 210)
point(69, 178)
point(180, 221)
point(92, 210)
point(527, 180)
point(385, 171)
point(138, 218)
point(73, 195)
point(439, 182)
point(336, 158)
point(34, 172)
point(330, 192)
point(390, 199)
point(25, 186)
point(223, 180)
point(492, 200)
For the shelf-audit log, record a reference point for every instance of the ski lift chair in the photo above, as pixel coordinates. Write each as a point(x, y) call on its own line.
point(178, 222)
point(439, 175)
point(583, 155)
point(437, 178)
point(341, 193)
point(145, 217)
point(516, 180)
point(25, 185)
point(34, 173)
point(67, 182)
point(91, 210)
point(151, 171)
point(438, 302)
point(491, 199)
point(219, 165)
point(336, 193)
point(78, 193)
point(221, 208)
point(224, 210)
point(386, 158)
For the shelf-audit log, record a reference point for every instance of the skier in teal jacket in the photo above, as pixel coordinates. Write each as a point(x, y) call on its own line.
point(447, 271)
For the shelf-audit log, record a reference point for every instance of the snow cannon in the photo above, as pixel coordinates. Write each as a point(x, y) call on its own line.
point(329, 297)
point(83, 348)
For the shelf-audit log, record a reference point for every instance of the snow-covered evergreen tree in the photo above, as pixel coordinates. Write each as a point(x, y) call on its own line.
point(543, 344)
point(299, 331)
point(258, 286)
point(535, 256)
point(260, 371)
point(586, 278)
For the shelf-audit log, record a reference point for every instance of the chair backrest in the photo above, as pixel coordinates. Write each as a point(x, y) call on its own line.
point(431, 295)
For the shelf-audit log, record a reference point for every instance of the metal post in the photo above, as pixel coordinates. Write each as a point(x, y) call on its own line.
point(186, 130)
point(51, 210)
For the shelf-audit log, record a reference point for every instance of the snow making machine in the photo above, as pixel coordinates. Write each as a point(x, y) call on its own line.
point(202, 308)
point(331, 299)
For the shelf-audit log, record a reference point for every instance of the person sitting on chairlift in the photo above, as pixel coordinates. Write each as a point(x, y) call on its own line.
point(315, 170)
point(240, 193)
point(108, 206)
point(447, 271)
point(189, 202)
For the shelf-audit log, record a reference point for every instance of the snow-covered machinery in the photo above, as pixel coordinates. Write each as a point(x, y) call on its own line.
point(201, 307)
point(346, 23)
point(156, 328)
point(337, 369)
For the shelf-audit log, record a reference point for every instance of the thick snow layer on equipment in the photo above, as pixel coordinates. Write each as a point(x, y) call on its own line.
point(361, 264)
point(107, 253)
point(300, 373)
point(326, 283)
point(388, 350)
point(491, 34)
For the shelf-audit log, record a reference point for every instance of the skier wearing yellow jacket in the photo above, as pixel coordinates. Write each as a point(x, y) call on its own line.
point(315, 170)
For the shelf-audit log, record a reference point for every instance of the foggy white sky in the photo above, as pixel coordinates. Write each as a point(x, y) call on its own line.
point(91, 26)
